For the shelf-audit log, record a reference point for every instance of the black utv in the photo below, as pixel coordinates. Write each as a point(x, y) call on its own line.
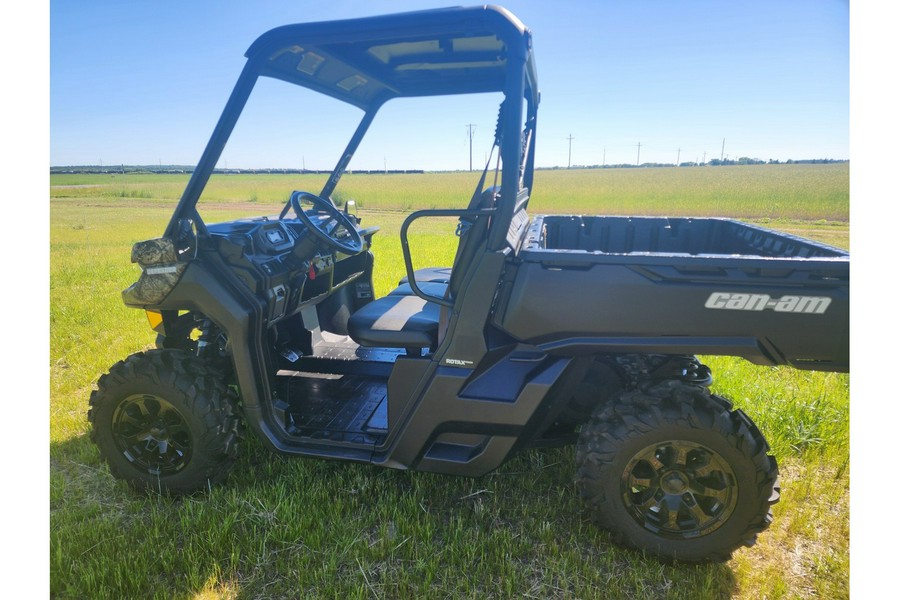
point(545, 330)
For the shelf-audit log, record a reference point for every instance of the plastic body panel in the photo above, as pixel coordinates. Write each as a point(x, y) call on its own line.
point(449, 429)
point(699, 295)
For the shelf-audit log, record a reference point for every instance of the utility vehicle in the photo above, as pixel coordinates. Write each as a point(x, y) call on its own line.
point(545, 330)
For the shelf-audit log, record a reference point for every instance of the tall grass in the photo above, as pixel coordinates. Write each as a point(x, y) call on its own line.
point(301, 528)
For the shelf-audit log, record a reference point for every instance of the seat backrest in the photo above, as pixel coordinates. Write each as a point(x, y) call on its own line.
point(472, 237)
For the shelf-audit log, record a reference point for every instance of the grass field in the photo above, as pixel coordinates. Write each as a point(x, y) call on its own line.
point(301, 528)
point(807, 192)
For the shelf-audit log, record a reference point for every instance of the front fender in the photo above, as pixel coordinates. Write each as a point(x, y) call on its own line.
point(208, 287)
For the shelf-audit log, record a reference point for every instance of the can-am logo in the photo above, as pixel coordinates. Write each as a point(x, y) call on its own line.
point(815, 305)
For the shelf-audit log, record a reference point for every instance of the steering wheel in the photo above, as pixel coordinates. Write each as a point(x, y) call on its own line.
point(325, 230)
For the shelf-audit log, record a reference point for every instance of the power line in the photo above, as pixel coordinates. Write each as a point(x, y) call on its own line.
point(601, 146)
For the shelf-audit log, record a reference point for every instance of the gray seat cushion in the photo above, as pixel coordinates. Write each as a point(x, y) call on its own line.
point(396, 321)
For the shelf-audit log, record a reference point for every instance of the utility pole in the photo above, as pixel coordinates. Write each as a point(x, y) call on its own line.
point(470, 126)
point(570, 150)
point(604, 156)
point(639, 155)
point(722, 157)
point(678, 160)
point(704, 158)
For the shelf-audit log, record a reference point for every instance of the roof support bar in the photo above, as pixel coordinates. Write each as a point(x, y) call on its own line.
point(511, 149)
point(349, 152)
point(215, 146)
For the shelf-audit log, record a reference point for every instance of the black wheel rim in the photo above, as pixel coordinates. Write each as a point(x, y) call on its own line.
point(679, 489)
point(152, 435)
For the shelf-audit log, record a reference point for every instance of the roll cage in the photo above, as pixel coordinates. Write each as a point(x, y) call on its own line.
point(368, 61)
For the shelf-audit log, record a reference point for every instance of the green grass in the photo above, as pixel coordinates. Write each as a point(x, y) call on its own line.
point(806, 192)
point(285, 527)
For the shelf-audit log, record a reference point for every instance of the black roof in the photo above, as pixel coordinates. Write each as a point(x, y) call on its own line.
point(368, 61)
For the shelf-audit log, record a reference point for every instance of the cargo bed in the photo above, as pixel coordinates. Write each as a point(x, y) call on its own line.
point(583, 284)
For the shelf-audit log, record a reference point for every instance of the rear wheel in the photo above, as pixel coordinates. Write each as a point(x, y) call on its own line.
point(164, 420)
point(673, 470)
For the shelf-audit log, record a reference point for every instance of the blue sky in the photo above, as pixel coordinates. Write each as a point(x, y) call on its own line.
point(142, 83)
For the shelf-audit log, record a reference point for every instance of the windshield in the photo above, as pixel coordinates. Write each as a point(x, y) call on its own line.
point(290, 138)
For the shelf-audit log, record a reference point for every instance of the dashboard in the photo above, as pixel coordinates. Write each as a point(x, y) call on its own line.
point(283, 264)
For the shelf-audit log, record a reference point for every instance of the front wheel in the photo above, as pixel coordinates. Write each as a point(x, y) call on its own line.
point(673, 470)
point(164, 420)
